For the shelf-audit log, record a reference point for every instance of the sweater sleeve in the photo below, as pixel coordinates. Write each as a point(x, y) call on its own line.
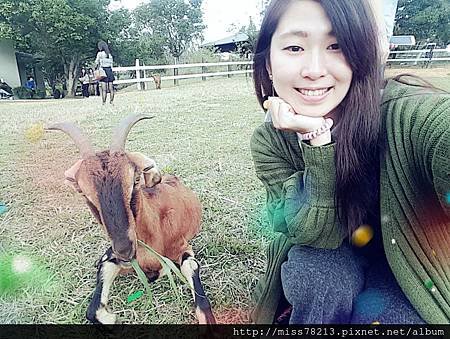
point(300, 187)
point(423, 119)
point(439, 153)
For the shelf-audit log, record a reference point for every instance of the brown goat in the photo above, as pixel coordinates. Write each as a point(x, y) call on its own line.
point(132, 201)
point(157, 80)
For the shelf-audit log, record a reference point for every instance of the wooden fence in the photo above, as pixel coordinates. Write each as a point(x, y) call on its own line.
point(142, 75)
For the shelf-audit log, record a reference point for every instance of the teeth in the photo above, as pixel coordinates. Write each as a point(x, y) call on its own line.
point(313, 93)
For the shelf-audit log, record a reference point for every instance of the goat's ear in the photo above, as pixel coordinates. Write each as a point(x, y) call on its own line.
point(147, 166)
point(70, 176)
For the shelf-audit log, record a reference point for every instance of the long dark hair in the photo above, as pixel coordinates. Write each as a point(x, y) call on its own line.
point(357, 135)
point(103, 46)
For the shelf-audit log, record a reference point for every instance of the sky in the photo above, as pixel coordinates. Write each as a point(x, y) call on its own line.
point(218, 15)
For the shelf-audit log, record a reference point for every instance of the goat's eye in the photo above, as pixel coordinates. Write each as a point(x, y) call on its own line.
point(147, 168)
point(137, 179)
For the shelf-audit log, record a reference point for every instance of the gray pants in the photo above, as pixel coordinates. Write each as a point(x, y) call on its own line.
point(339, 287)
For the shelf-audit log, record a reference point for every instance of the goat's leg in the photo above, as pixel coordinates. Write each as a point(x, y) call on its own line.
point(107, 269)
point(190, 268)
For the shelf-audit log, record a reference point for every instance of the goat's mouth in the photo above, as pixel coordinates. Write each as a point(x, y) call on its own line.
point(125, 255)
point(125, 263)
point(122, 261)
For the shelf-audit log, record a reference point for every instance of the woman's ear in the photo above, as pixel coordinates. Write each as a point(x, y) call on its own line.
point(268, 68)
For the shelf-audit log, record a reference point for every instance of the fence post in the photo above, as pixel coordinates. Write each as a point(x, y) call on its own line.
point(203, 69)
point(229, 67)
point(175, 73)
point(138, 75)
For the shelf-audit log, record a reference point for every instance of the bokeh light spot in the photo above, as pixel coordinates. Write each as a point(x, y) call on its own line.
point(362, 235)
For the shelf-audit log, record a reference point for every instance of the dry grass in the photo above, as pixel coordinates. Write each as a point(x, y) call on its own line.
point(201, 133)
point(439, 76)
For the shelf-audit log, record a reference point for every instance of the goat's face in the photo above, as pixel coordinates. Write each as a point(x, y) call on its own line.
point(110, 183)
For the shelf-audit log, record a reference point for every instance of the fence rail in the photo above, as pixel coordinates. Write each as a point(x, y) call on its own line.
point(425, 55)
point(141, 78)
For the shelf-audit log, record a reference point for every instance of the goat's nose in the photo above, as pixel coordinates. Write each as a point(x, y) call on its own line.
point(124, 250)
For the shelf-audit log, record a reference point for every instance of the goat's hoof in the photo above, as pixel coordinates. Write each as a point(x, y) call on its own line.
point(105, 317)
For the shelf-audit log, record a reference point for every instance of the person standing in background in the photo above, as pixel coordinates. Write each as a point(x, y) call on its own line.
point(84, 79)
point(93, 84)
point(104, 60)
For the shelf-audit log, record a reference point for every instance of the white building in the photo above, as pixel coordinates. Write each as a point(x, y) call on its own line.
point(14, 66)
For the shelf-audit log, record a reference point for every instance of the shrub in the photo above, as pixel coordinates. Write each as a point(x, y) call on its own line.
point(22, 92)
point(40, 94)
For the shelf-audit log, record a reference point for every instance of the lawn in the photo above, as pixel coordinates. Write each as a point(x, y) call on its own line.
point(201, 132)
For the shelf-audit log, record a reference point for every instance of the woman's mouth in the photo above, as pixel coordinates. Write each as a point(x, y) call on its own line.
point(314, 95)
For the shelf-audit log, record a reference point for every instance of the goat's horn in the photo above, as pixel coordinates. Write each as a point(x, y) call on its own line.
point(121, 132)
point(81, 141)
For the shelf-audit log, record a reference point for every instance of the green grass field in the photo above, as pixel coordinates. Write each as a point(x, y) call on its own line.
point(201, 133)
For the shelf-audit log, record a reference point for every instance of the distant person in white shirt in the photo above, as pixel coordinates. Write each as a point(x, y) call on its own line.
point(104, 61)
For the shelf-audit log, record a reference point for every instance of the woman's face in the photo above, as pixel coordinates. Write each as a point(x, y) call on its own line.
point(309, 70)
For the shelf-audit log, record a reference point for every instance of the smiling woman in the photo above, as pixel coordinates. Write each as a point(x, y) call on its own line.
point(338, 170)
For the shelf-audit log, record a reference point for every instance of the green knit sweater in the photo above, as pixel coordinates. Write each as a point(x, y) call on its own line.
point(414, 193)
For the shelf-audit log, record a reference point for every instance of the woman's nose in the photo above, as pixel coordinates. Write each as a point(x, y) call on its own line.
point(314, 66)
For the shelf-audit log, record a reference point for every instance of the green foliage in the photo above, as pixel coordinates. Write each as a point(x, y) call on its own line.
point(252, 32)
point(427, 20)
point(40, 94)
point(26, 93)
point(177, 23)
point(22, 93)
point(63, 32)
point(192, 56)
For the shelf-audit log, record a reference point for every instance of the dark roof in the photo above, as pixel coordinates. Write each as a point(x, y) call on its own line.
point(405, 40)
point(27, 57)
point(239, 37)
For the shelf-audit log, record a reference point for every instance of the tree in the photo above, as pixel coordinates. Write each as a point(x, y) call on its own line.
point(64, 32)
point(176, 23)
point(425, 19)
point(252, 32)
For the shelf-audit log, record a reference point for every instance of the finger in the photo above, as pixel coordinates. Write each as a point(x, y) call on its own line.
point(273, 109)
point(307, 124)
point(281, 113)
point(285, 115)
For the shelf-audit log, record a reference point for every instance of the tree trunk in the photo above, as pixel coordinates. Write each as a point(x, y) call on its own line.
point(71, 71)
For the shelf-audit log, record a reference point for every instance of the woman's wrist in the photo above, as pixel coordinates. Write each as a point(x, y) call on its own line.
point(322, 139)
point(319, 136)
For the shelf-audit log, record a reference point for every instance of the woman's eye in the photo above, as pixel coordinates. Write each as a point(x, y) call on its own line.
point(334, 47)
point(294, 49)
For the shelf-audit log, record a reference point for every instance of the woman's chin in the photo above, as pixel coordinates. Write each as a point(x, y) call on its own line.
point(315, 112)
point(312, 113)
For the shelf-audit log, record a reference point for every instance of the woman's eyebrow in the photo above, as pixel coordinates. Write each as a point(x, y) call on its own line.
point(303, 34)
